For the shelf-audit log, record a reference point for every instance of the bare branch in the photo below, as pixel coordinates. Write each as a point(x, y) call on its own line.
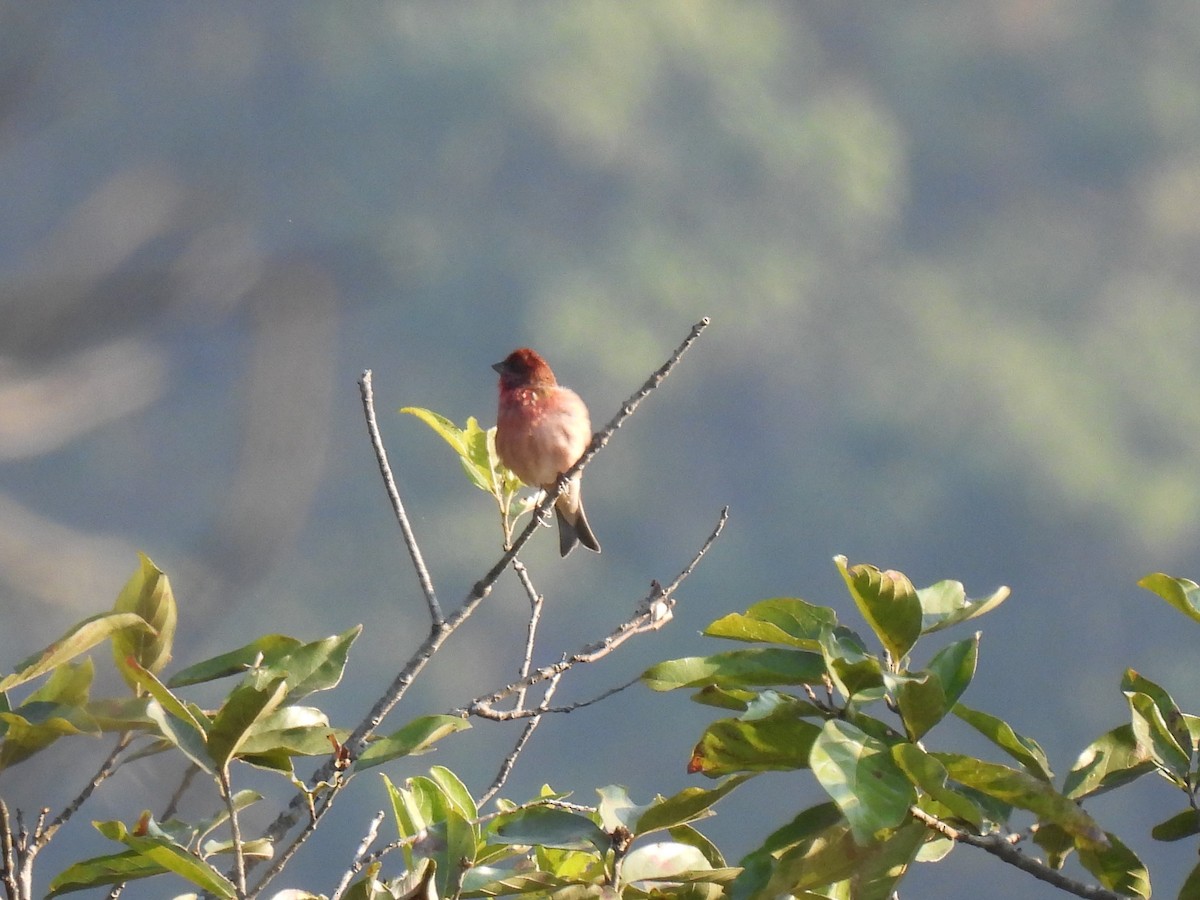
point(8, 855)
point(536, 604)
point(235, 831)
point(485, 711)
point(999, 846)
point(442, 627)
point(653, 613)
point(506, 766)
point(106, 769)
point(356, 863)
point(410, 540)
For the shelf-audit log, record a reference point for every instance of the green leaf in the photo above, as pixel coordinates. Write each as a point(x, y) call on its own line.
point(79, 639)
point(811, 861)
point(856, 673)
point(1057, 843)
point(616, 809)
point(245, 706)
point(686, 834)
point(294, 730)
point(456, 793)
point(261, 652)
point(1113, 759)
point(688, 805)
point(471, 444)
point(172, 858)
point(1117, 867)
point(1026, 751)
point(147, 594)
point(724, 698)
point(946, 603)
point(781, 620)
point(35, 725)
point(736, 745)
point(1191, 885)
point(1025, 791)
point(1176, 724)
point(1181, 825)
point(185, 734)
point(415, 737)
point(888, 601)
point(548, 826)
point(954, 666)
point(1152, 732)
point(930, 776)
point(859, 774)
point(1181, 593)
point(737, 669)
point(98, 871)
point(924, 700)
point(312, 667)
point(662, 861)
point(406, 812)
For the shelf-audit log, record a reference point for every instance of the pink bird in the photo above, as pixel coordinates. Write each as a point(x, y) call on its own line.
point(542, 428)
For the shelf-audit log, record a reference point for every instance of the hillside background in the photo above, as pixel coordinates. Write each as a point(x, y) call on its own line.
point(951, 254)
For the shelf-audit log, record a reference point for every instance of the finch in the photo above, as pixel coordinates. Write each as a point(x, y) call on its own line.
point(542, 428)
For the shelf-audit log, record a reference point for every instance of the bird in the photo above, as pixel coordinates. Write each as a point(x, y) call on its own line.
point(542, 428)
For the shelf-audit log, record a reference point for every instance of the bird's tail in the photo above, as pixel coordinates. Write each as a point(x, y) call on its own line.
point(573, 528)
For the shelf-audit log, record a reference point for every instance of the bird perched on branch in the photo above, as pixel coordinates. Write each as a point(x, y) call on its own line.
point(542, 428)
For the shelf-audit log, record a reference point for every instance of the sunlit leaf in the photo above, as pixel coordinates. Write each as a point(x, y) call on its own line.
point(312, 667)
point(688, 805)
point(780, 742)
point(1113, 759)
point(1026, 751)
point(1025, 791)
point(171, 857)
point(859, 774)
point(245, 706)
point(79, 639)
point(415, 737)
point(946, 603)
point(931, 777)
point(1181, 593)
point(782, 620)
point(737, 669)
point(147, 594)
point(1117, 867)
point(550, 827)
point(925, 701)
point(1153, 733)
point(263, 651)
point(888, 601)
point(662, 860)
point(854, 672)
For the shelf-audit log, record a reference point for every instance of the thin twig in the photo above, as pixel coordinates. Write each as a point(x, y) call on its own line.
point(235, 831)
point(185, 782)
point(506, 766)
point(441, 628)
point(356, 863)
point(998, 846)
point(536, 604)
point(106, 769)
point(653, 613)
point(410, 540)
point(485, 711)
point(8, 854)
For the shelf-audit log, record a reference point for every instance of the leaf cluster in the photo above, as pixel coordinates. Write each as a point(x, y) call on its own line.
point(859, 714)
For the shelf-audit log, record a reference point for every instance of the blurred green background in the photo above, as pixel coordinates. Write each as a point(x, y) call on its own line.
point(949, 249)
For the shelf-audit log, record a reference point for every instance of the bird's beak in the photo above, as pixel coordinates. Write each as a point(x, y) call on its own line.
point(499, 367)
